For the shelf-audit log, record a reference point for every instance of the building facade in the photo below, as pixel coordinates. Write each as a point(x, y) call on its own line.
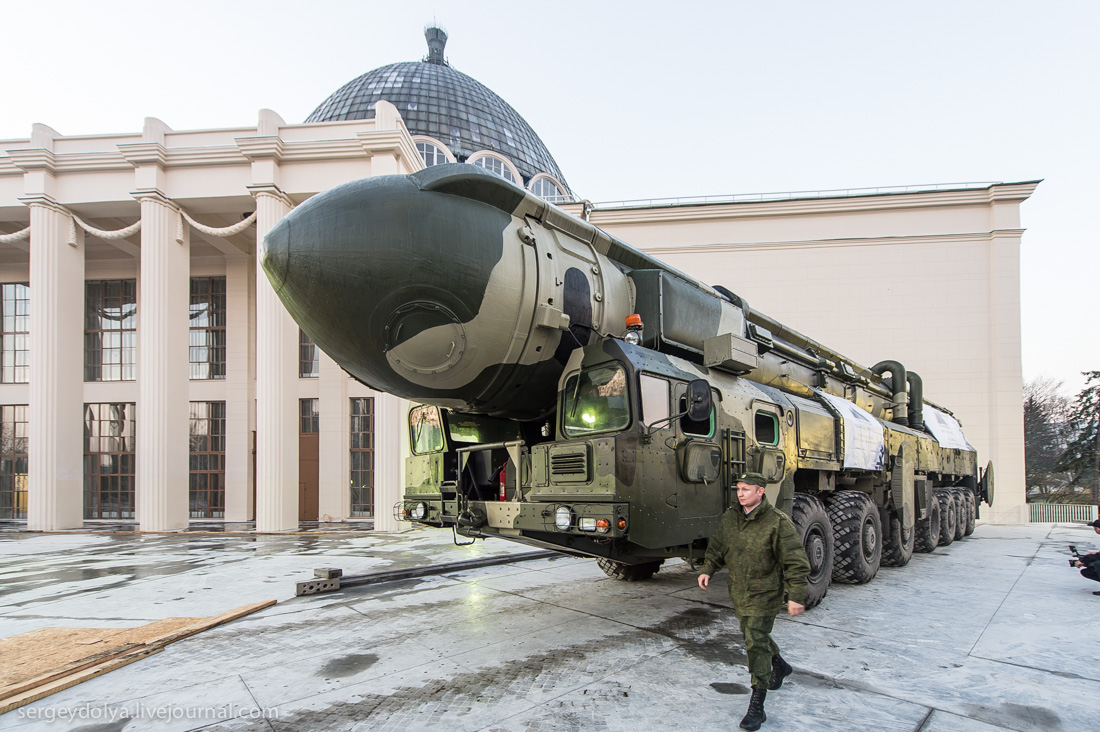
point(148, 372)
point(928, 276)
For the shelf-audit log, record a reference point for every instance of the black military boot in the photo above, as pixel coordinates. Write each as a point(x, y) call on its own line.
point(780, 670)
point(755, 716)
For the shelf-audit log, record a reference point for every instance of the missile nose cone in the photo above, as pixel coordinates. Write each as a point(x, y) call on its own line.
point(387, 279)
point(275, 254)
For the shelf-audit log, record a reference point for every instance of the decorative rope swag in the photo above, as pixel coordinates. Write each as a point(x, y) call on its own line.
point(15, 236)
point(134, 228)
point(107, 235)
point(236, 228)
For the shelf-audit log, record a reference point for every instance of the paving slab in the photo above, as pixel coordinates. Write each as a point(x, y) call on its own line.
point(991, 633)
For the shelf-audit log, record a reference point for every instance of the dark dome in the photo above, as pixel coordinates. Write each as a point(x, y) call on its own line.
point(437, 101)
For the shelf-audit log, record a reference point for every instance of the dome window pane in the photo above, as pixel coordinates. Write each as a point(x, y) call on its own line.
point(547, 190)
point(441, 103)
point(432, 154)
point(496, 167)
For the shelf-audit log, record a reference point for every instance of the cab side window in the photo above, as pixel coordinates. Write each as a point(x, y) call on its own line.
point(701, 428)
point(766, 426)
point(655, 393)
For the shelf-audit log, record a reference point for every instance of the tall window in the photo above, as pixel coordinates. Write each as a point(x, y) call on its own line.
point(13, 461)
point(14, 308)
point(207, 479)
point(310, 422)
point(109, 461)
point(362, 457)
point(110, 330)
point(309, 357)
point(207, 337)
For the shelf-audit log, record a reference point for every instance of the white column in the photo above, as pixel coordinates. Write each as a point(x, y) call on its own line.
point(334, 501)
point(56, 459)
point(240, 388)
point(162, 428)
point(276, 387)
point(1006, 438)
point(389, 460)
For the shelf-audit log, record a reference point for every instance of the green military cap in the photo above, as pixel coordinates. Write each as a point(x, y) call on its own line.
point(753, 479)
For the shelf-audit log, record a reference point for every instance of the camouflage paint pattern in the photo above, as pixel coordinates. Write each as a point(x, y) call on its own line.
point(454, 288)
point(764, 556)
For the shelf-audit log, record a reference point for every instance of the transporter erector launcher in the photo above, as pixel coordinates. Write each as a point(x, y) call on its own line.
point(578, 394)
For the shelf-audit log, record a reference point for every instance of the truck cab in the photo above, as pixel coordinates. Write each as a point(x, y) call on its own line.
point(637, 462)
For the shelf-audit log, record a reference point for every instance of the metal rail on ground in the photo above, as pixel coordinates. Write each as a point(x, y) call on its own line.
point(330, 580)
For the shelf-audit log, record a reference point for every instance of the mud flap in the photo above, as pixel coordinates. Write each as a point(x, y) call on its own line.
point(902, 484)
point(985, 484)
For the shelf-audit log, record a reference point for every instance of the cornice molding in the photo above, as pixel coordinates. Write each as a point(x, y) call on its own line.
point(144, 153)
point(967, 238)
point(127, 156)
point(156, 195)
point(803, 207)
point(395, 142)
point(308, 150)
point(261, 148)
point(1007, 234)
point(266, 189)
point(43, 201)
point(33, 158)
point(1013, 191)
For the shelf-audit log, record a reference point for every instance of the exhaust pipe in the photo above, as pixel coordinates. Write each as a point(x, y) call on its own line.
point(898, 383)
point(916, 400)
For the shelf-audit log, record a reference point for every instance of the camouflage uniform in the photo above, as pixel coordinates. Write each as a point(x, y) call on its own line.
point(765, 557)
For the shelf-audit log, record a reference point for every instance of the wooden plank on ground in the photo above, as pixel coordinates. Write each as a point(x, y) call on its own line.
point(41, 692)
point(44, 661)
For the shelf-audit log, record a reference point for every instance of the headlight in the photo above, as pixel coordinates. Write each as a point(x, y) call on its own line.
point(563, 518)
point(419, 511)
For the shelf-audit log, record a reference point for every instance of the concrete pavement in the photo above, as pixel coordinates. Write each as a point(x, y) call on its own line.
point(992, 633)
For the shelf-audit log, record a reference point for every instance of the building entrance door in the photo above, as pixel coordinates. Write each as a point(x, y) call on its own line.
point(308, 462)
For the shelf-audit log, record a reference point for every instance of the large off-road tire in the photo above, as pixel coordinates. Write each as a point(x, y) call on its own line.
point(971, 511)
point(897, 546)
point(629, 572)
point(857, 537)
point(816, 533)
point(948, 518)
point(960, 512)
point(927, 531)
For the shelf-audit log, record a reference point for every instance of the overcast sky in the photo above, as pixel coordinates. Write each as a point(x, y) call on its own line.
point(769, 96)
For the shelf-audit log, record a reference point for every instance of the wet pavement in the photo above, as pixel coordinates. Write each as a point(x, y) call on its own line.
point(994, 632)
point(200, 526)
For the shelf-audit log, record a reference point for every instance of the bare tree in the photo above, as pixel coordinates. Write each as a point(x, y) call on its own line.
point(1081, 457)
point(1046, 413)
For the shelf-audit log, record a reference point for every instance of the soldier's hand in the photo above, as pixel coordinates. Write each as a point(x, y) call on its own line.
point(704, 580)
point(1079, 564)
point(794, 608)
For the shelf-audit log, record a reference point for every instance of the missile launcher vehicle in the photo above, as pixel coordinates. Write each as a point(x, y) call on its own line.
point(576, 394)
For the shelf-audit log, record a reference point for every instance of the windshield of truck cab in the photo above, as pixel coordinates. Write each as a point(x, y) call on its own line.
point(477, 428)
point(425, 429)
point(596, 400)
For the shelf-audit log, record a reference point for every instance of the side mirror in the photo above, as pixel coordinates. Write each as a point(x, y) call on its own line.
point(699, 401)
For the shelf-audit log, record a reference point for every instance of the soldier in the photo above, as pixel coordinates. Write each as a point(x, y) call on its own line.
point(760, 545)
point(1091, 562)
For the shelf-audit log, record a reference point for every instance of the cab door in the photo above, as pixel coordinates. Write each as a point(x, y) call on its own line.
point(700, 492)
point(769, 439)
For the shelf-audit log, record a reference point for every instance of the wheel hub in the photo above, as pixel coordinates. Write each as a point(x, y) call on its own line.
point(815, 552)
point(870, 540)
